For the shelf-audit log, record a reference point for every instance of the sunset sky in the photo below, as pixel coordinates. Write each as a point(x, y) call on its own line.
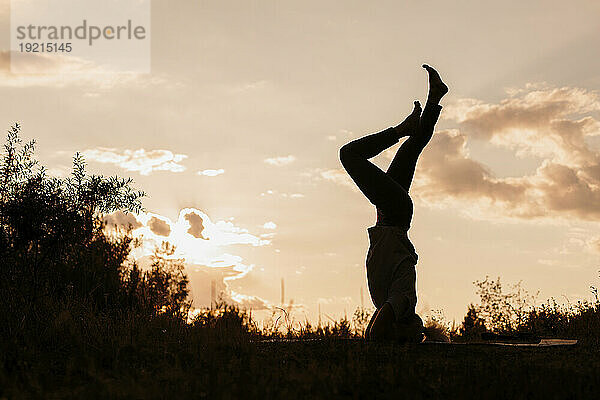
point(235, 133)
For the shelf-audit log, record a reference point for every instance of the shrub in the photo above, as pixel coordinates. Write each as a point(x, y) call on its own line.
point(514, 312)
point(56, 259)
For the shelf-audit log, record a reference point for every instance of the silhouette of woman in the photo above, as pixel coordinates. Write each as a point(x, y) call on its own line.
point(391, 257)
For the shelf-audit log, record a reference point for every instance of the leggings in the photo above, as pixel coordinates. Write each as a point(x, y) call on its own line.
point(388, 191)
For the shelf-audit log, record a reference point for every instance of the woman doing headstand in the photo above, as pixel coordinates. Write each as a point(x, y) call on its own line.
point(391, 257)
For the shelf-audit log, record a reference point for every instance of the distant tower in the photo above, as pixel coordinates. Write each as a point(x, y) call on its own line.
point(282, 292)
point(362, 302)
point(213, 294)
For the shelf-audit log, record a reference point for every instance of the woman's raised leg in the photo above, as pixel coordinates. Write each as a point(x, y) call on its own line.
point(402, 167)
point(381, 190)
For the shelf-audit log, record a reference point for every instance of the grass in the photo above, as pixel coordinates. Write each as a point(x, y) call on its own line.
point(222, 355)
point(328, 368)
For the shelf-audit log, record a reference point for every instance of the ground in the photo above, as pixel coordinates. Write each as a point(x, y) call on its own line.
point(335, 368)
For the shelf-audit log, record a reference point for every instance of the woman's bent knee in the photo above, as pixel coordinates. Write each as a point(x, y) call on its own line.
point(345, 154)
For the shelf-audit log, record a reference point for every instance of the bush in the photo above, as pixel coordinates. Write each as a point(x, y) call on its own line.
point(514, 312)
point(60, 270)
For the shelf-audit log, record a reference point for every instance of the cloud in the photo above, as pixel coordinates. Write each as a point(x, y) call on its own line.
point(55, 70)
point(61, 171)
point(227, 233)
point(549, 124)
point(594, 244)
point(196, 225)
point(271, 192)
point(335, 300)
point(338, 176)
point(198, 236)
point(119, 218)
point(280, 161)
point(270, 225)
point(447, 170)
point(548, 262)
point(209, 285)
point(145, 162)
point(159, 227)
point(545, 123)
point(249, 302)
point(250, 86)
point(198, 240)
point(205, 246)
point(211, 172)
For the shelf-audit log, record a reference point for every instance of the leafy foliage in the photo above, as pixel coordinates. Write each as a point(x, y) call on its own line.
point(473, 325)
point(503, 310)
point(55, 254)
point(161, 289)
point(513, 311)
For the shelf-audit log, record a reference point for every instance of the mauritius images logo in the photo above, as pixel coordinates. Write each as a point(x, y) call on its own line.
point(73, 36)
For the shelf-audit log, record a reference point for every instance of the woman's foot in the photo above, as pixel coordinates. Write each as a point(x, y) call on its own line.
point(410, 125)
point(437, 88)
